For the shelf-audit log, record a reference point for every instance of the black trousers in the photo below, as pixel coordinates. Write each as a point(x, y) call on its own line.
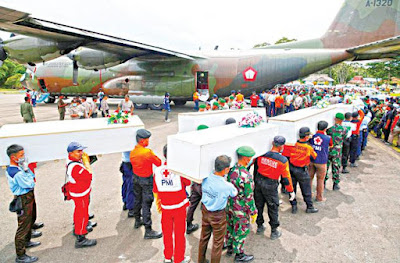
point(266, 192)
point(345, 152)
point(353, 148)
point(194, 199)
point(300, 175)
point(386, 133)
point(143, 191)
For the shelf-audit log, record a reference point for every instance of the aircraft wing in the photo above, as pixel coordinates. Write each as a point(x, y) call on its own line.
point(387, 48)
point(22, 23)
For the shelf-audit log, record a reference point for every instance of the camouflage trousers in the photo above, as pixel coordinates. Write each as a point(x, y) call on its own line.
point(238, 227)
point(335, 162)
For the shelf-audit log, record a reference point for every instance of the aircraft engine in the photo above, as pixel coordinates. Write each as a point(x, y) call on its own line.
point(3, 54)
point(93, 60)
point(31, 50)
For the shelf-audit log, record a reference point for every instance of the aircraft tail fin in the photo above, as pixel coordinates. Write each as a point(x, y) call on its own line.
point(363, 21)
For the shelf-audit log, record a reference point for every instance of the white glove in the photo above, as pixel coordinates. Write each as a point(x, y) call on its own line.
point(24, 166)
point(292, 196)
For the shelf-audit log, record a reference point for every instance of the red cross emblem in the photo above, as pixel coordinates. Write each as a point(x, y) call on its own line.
point(318, 141)
point(165, 172)
point(250, 74)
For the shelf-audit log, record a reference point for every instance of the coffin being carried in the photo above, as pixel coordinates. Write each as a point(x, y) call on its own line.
point(190, 121)
point(192, 154)
point(290, 123)
point(44, 141)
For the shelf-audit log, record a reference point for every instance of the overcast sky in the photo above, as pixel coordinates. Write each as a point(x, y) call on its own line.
point(187, 25)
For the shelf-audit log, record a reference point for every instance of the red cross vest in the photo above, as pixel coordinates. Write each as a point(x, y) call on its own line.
point(170, 188)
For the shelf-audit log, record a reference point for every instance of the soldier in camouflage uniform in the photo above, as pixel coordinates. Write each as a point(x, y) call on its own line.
point(241, 207)
point(338, 134)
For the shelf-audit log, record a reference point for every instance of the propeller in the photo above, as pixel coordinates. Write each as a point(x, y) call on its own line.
point(3, 54)
point(75, 68)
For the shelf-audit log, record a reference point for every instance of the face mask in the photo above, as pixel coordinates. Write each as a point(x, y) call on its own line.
point(21, 160)
point(74, 104)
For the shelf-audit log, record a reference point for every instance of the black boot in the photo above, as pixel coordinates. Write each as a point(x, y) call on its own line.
point(92, 224)
point(294, 209)
point(260, 229)
point(151, 234)
point(131, 213)
point(242, 257)
point(336, 187)
point(82, 241)
point(25, 259)
point(345, 171)
point(37, 225)
point(35, 234)
point(32, 244)
point(191, 228)
point(138, 223)
point(275, 234)
point(124, 207)
point(229, 251)
point(91, 216)
point(311, 210)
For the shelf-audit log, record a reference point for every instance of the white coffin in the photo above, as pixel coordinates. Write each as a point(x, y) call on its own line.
point(44, 141)
point(190, 121)
point(290, 123)
point(192, 154)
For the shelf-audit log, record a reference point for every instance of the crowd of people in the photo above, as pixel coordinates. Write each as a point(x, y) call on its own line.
point(231, 197)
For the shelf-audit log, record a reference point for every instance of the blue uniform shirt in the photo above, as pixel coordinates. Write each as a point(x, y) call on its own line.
point(167, 104)
point(216, 191)
point(20, 182)
point(320, 142)
point(125, 157)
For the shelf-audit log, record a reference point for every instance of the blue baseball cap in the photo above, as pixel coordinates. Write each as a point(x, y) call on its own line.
point(73, 146)
point(215, 96)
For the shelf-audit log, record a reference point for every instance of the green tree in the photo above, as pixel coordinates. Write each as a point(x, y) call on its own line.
point(262, 45)
point(285, 40)
point(384, 69)
point(8, 70)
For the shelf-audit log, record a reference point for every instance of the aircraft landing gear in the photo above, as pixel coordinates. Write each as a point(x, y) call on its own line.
point(50, 100)
point(156, 106)
point(179, 102)
point(140, 106)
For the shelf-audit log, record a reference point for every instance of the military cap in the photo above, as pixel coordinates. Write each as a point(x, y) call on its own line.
point(202, 127)
point(279, 140)
point(355, 114)
point(233, 91)
point(246, 151)
point(202, 106)
point(339, 116)
point(230, 121)
point(304, 131)
point(231, 97)
point(215, 104)
point(143, 134)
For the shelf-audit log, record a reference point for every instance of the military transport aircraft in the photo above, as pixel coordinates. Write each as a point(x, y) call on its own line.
point(362, 30)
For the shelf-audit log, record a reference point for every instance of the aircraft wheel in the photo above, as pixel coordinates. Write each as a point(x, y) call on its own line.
point(179, 102)
point(140, 106)
point(156, 106)
point(50, 100)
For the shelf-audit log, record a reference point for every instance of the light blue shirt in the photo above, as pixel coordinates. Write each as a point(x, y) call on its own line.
point(125, 157)
point(22, 182)
point(216, 191)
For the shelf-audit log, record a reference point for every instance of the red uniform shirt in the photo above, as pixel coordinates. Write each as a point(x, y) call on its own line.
point(142, 160)
point(170, 188)
point(300, 154)
point(273, 165)
point(254, 100)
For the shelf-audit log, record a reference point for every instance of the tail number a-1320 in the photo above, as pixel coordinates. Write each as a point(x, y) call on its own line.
point(378, 3)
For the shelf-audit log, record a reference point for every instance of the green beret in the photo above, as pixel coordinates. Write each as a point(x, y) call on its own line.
point(246, 151)
point(231, 97)
point(202, 127)
point(202, 106)
point(339, 116)
point(215, 104)
point(222, 101)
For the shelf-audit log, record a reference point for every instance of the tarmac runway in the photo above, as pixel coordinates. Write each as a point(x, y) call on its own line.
point(359, 223)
